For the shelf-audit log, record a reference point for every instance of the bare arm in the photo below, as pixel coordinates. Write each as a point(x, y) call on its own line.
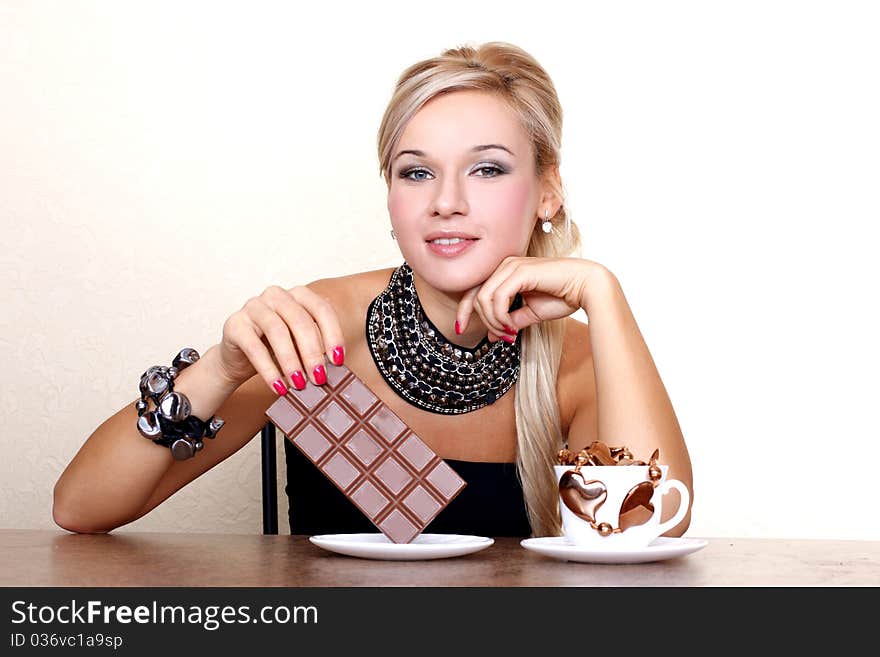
point(631, 406)
point(118, 475)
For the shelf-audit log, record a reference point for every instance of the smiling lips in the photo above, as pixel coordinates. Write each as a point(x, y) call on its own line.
point(448, 234)
point(452, 247)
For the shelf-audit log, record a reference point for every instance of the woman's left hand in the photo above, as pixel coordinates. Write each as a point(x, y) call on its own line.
point(551, 288)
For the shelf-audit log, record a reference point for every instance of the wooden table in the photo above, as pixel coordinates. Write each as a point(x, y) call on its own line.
point(58, 558)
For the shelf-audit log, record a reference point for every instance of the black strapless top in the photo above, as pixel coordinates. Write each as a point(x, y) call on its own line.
point(490, 505)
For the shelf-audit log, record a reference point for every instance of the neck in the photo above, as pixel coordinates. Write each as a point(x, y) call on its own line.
point(441, 308)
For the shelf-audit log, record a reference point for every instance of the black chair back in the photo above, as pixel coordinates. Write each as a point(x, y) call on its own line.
point(270, 479)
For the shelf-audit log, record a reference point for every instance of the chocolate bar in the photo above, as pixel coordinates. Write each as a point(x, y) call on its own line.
point(368, 452)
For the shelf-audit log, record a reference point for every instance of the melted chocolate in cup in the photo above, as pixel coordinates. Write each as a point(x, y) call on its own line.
point(368, 453)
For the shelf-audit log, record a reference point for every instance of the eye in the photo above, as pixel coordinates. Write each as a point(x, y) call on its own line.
point(406, 174)
point(491, 167)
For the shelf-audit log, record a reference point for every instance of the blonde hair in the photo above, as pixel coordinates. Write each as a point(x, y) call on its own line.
point(516, 78)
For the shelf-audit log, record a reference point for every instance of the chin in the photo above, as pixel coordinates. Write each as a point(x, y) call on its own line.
point(451, 277)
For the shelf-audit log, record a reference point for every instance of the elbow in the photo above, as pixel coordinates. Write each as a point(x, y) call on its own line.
point(66, 517)
point(679, 530)
point(75, 527)
point(682, 527)
point(684, 524)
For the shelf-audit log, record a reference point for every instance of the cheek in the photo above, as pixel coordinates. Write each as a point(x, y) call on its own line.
point(510, 214)
point(513, 203)
point(401, 207)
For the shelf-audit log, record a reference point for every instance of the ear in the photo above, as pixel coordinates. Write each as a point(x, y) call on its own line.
point(551, 190)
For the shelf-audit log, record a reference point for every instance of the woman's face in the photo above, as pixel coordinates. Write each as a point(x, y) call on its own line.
point(454, 183)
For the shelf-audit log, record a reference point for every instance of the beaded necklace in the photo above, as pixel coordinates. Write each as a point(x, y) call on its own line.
point(422, 366)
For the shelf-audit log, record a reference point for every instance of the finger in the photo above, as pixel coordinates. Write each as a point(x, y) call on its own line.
point(306, 336)
point(503, 299)
point(465, 308)
point(508, 338)
point(524, 317)
point(495, 337)
point(327, 319)
point(494, 333)
point(478, 311)
point(486, 298)
point(275, 324)
point(249, 338)
point(513, 278)
point(485, 307)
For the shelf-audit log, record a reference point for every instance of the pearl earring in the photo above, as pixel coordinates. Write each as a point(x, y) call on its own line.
point(547, 226)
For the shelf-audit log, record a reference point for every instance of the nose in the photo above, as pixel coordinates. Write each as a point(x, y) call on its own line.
point(450, 198)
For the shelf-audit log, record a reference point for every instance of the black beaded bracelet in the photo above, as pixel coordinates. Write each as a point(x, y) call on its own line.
point(170, 423)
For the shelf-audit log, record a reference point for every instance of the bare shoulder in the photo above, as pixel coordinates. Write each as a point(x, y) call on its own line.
point(352, 283)
point(577, 350)
point(350, 294)
point(576, 384)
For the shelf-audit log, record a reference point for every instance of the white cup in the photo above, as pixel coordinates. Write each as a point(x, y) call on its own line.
point(618, 480)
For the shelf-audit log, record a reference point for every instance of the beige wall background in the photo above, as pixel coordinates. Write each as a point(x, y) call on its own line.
point(162, 162)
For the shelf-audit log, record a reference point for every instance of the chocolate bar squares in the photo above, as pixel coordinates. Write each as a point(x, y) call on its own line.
point(368, 452)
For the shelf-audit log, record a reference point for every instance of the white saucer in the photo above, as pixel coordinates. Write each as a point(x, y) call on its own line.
point(663, 547)
point(423, 546)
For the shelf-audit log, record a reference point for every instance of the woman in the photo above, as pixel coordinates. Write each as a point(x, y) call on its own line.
point(469, 149)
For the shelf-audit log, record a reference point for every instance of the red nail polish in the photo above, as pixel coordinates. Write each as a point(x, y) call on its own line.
point(320, 375)
point(299, 381)
point(338, 355)
point(457, 328)
point(509, 339)
point(279, 386)
point(512, 331)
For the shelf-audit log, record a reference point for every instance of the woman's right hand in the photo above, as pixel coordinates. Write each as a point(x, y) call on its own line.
point(287, 329)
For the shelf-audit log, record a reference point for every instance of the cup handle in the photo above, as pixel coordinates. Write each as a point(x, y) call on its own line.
point(683, 505)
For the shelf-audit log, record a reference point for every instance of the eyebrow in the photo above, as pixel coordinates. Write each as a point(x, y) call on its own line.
point(475, 149)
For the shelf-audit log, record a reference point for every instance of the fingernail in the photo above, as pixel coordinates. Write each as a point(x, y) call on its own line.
point(320, 375)
point(299, 381)
point(457, 328)
point(338, 355)
point(512, 331)
point(509, 339)
point(279, 386)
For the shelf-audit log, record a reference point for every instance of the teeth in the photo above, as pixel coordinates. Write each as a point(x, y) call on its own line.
point(454, 240)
